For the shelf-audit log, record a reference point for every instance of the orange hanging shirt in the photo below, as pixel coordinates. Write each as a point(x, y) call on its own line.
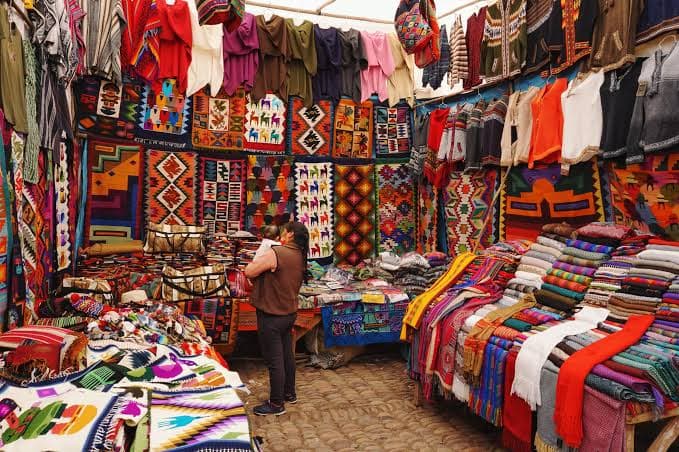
point(547, 133)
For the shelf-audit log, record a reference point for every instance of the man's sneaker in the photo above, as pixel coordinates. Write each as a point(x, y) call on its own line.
point(269, 408)
point(290, 398)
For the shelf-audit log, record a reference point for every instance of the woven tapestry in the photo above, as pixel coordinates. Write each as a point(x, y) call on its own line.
point(354, 213)
point(114, 192)
point(218, 122)
point(353, 130)
point(265, 125)
point(200, 419)
point(310, 129)
point(428, 218)
point(313, 184)
point(534, 197)
point(393, 130)
point(362, 323)
point(467, 202)
point(171, 187)
point(219, 317)
point(164, 117)
point(222, 190)
point(646, 196)
point(270, 191)
point(105, 109)
point(396, 211)
point(62, 208)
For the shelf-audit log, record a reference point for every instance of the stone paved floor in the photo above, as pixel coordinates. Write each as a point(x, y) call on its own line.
point(367, 406)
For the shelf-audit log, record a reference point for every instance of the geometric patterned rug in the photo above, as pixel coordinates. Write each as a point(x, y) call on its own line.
point(646, 196)
point(314, 187)
point(393, 130)
point(467, 202)
point(218, 121)
point(164, 118)
point(106, 110)
point(428, 217)
point(114, 192)
point(396, 211)
point(270, 191)
point(533, 197)
point(309, 129)
point(219, 317)
point(171, 187)
point(354, 213)
point(222, 195)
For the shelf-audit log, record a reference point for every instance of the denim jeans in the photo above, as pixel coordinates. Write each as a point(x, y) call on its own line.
point(275, 340)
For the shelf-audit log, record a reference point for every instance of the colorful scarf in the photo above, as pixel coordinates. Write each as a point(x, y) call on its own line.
point(571, 380)
point(517, 419)
point(565, 284)
point(565, 292)
point(587, 246)
point(580, 279)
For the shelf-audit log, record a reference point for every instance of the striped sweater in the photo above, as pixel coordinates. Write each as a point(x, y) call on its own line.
point(458, 54)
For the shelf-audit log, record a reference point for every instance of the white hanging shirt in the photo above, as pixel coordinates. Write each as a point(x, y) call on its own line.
point(207, 59)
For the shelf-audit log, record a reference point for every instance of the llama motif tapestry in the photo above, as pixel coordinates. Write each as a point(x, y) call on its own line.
point(114, 192)
point(393, 130)
point(206, 419)
point(106, 110)
point(396, 211)
point(428, 218)
point(310, 129)
point(265, 125)
point(542, 195)
point(270, 191)
point(646, 196)
point(171, 187)
point(164, 117)
point(353, 130)
point(354, 213)
point(467, 201)
point(222, 190)
point(218, 122)
point(315, 207)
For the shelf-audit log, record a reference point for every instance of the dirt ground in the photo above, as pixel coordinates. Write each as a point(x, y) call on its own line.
point(367, 406)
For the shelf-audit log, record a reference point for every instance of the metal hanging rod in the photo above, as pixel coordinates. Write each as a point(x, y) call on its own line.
point(319, 12)
point(461, 7)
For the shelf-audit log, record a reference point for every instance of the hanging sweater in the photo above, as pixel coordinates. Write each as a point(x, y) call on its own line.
point(475, 26)
point(582, 123)
point(138, 13)
point(401, 82)
point(207, 55)
point(547, 132)
point(658, 17)
point(303, 62)
point(517, 129)
point(538, 13)
point(434, 74)
point(354, 59)
point(12, 86)
point(328, 76)
point(102, 26)
point(459, 63)
point(241, 56)
point(503, 50)
point(570, 30)
point(175, 43)
point(617, 101)
point(380, 66)
point(493, 123)
point(615, 34)
point(274, 55)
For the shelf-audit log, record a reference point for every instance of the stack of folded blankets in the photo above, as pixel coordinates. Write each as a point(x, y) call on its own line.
point(650, 277)
point(668, 309)
point(607, 279)
point(564, 286)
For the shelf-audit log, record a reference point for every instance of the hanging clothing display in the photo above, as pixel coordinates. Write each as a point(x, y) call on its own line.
point(12, 93)
point(274, 55)
point(538, 13)
point(615, 34)
point(175, 43)
point(303, 64)
point(503, 50)
point(354, 59)
point(547, 130)
point(380, 66)
point(241, 56)
point(207, 56)
point(569, 33)
point(459, 63)
point(476, 24)
point(328, 79)
point(102, 25)
point(517, 132)
point(401, 83)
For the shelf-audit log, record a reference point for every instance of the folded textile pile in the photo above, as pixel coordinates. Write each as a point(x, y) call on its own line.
point(607, 279)
point(646, 289)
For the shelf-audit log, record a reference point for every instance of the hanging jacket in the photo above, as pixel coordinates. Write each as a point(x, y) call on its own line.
point(328, 79)
point(241, 56)
point(303, 63)
point(274, 56)
point(503, 50)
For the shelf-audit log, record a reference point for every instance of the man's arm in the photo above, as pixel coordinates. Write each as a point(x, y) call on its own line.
point(268, 262)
